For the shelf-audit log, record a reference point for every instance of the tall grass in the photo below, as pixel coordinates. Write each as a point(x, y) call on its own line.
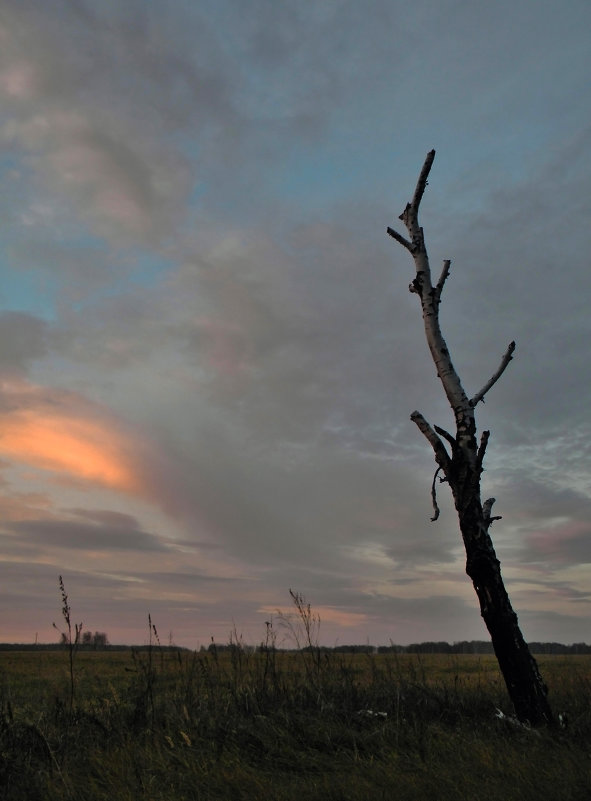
point(235, 724)
point(71, 642)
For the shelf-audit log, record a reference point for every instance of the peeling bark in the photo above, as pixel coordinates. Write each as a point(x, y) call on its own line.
point(461, 464)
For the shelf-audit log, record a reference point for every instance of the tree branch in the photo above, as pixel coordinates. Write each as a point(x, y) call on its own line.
point(481, 450)
point(429, 296)
point(504, 362)
point(441, 455)
point(446, 435)
point(442, 278)
point(422, 182)
point(486, 510)
point(399, 238)
point(434, 497)
point(412, 208)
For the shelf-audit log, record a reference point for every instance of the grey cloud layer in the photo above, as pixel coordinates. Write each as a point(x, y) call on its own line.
point(22, 340)
point(70, 534)
point(194, 247)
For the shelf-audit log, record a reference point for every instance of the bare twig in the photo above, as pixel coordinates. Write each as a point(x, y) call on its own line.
point(441, 455)
point(504, 362)
point(446, 435)
point(486, 510)
point(399, 238)
point(434, 497)
point(482, 449)
point(422, 182)
point(442, 278)
point(410, 217)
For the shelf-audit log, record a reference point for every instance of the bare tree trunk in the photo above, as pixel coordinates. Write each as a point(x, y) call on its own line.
point(460, 461)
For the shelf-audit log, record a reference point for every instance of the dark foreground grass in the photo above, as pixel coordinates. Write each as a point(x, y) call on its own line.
point(291, 727)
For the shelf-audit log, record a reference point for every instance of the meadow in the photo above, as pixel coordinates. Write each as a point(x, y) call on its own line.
point(293, 726)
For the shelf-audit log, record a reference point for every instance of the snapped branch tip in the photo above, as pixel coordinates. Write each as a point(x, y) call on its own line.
point(422, 182)
point(399, 238)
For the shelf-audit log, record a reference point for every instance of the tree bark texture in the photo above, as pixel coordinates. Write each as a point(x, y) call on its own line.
point(460, 459)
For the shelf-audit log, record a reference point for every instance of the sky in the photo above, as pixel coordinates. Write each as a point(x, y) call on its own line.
point(208, 351)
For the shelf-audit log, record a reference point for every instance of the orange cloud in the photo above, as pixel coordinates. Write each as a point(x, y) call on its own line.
point(66, 440)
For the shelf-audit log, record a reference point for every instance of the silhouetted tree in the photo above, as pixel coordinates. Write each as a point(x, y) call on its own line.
point(459, 458)
point(100, 639)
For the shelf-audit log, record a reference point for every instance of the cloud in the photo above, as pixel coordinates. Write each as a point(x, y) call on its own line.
point(23, 339)
point(120, 189)
point(208, 348)
point(90, 537)
point(341, 618)
point(560, 540)
point(58, 73)
point(62, 433)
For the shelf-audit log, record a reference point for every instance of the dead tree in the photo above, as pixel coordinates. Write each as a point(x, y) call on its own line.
point(459, 459)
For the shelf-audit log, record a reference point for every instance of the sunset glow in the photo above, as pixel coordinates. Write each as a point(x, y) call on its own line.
point(84, 450)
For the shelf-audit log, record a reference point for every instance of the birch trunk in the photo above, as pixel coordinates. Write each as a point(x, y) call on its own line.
point(460, 459)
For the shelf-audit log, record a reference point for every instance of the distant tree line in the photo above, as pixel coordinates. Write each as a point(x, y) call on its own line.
point(481, 647)
point(59, 646)
point(441, 647)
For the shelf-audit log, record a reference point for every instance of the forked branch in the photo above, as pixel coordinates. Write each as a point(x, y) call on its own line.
point(446, 435)
point(441, 455)
point(430, 298)
point(410, 214)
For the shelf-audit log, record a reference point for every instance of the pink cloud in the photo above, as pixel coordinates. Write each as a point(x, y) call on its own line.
point(225, 346)
point(553, 541)
point(18, 81)
point(327, 614)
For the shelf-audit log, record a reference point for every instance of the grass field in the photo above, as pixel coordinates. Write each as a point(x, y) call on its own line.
point(291, 726)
